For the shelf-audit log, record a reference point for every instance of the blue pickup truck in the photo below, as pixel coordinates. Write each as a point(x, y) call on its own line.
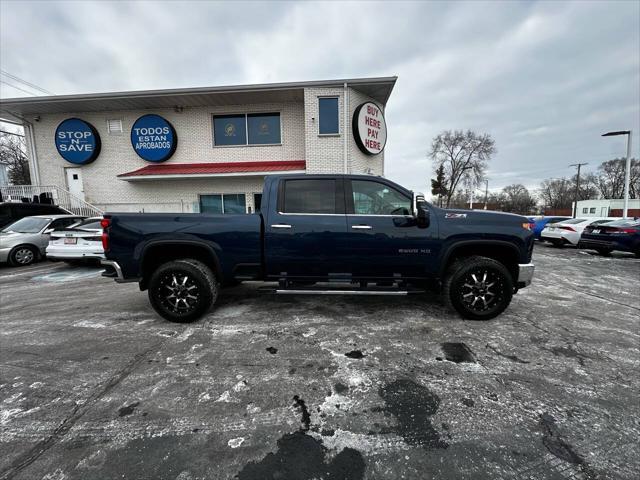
point(323, 234)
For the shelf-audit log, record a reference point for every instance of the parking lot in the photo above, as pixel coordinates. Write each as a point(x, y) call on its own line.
point(93, 385)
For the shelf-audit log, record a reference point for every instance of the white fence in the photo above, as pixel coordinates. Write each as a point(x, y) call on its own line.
point(49, 194)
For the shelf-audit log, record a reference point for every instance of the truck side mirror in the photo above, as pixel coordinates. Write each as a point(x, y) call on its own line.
point(420, 211)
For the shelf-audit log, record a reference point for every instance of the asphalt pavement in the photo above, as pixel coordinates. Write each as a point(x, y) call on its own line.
point(94, 385)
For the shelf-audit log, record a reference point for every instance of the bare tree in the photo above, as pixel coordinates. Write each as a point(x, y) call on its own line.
point(463, 156)
point(610, 178)
point(517, 199)
point(588, 188)
point(557, 193)
point(12, 153)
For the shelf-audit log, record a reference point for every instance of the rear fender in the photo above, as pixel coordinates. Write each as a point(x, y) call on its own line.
point(173, 250)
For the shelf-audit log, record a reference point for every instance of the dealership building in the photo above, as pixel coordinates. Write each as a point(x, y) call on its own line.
point(200, 149)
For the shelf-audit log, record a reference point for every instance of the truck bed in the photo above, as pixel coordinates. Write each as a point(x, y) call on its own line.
point(235, 239)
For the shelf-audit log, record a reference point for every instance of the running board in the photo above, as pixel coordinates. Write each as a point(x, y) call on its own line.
point(288, 291)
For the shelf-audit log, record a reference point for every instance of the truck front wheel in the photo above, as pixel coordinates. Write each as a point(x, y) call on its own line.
point(478, 288)
point(183, 290)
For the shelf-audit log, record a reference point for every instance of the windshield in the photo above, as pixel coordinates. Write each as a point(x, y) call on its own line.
point(27, 225)
point(88, 224)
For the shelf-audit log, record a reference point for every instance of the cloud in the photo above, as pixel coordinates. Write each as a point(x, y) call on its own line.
point(545, 79)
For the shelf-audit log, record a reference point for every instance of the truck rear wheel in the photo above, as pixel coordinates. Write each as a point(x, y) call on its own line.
point(478, 288)
point(183, 290)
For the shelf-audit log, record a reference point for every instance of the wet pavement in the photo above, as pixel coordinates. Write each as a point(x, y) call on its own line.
point(93, 385)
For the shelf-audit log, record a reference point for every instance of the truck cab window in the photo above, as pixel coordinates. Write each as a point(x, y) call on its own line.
point(373, 198)
point(310, 196)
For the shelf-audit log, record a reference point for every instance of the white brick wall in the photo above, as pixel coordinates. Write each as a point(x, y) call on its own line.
point(360, 162)
point(300, 141)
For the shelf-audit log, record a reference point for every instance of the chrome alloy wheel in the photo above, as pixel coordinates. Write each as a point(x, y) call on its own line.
point(482, 289)
point(24, 256)
point(178, 292)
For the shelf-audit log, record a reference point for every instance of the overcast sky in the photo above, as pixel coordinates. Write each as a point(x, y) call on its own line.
point(545, 79)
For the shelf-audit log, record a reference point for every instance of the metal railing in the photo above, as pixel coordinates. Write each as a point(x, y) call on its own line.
point(49, 194)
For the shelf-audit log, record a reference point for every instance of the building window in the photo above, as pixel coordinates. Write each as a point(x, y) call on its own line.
point(247, 129)
point(310, 196)
point(230, 130)
point(592, 210)
point(373, 198)
point(329, 117)
point(264, 128)
point(585, 210)
point(224, 204)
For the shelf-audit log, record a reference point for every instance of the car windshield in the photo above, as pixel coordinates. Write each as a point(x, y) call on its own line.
point(27, 225)
point(573, 221)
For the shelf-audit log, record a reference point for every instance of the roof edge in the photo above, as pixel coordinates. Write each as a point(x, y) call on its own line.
point(200, 90)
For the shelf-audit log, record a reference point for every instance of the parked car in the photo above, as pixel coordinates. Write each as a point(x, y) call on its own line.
point(569, 231)
point(80, 241)
point(622, 235)
point(25, 241)
point(540, 222)
point(12, 211)
point(356, 234)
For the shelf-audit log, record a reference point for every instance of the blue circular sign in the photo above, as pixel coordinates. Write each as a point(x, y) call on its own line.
point(77, 141)
point(153, 138)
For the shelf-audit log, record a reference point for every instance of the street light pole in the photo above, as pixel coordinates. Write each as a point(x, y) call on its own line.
point(627, 169)
point(627, 177)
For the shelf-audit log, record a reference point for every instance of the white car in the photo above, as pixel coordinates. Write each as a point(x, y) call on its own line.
point(569, 231)
point(82, 240)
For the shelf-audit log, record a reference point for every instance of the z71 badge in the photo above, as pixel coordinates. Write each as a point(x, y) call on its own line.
point(455, 215)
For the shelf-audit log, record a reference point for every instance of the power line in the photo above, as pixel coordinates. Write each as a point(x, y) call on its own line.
point(24, 82)
point(18, 88)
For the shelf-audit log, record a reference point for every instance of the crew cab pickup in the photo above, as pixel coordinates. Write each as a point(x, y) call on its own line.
point(324, 234)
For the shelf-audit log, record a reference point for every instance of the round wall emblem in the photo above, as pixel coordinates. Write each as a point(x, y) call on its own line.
point(77, 141)
point(153, 138)
point(369, 128)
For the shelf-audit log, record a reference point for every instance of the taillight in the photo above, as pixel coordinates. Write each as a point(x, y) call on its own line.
point(528, 226)
point(564, 227)
point(630, 231)
point(105, 223)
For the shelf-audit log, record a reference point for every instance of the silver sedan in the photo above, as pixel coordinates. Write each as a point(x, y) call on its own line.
point(24, 241)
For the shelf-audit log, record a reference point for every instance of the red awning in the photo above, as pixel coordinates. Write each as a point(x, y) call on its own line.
point(226, 169)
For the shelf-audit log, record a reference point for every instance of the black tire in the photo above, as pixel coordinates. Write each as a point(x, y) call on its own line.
point(491, 277)
point(190, 282)
point(23, 255)
point(605, 252)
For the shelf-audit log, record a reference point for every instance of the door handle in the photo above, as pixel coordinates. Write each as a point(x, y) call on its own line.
point(361, 227)
point(280, 225)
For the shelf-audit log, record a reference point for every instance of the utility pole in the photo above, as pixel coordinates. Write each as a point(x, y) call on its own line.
point(486, 193)
point(575, 197)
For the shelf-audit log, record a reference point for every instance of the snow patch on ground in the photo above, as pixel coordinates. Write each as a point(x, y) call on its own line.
point(235, 442)
point(367, 444)
point(227, 398)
